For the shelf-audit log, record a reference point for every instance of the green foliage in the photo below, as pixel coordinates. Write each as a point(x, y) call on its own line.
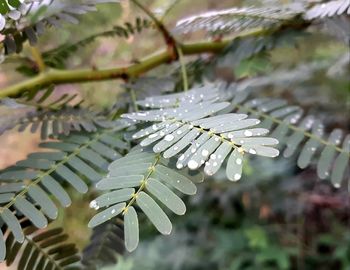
point(238, 19)
point(297, 133)
point(140, 157)
point(135, 179)
point(329, 9)
point(106, 242)
point(27, 186)
point(37, 17)
point(57, 57)
point(42, 249)
point(53, 118)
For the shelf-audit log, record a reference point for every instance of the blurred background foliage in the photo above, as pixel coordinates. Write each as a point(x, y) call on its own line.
point(277, 217)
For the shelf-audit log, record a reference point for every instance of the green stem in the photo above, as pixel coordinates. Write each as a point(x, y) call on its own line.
point(38, 58)
point(133, 99)
point(143, 184)
point(183, 68)
point(88, 75)
point(77, 76)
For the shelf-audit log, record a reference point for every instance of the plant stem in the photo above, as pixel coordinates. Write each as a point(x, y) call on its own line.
point(134, 99)
point(183, 68)
point(38, 58)
point(75, 76)
point(169, 40)
point(88, 75)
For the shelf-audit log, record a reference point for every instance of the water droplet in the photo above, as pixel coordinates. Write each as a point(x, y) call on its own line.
point(181, 157)
point(205, 152)
point(248, 133)
point(153, 135)
point(169, 137)
point(192, 164)
point(113, 211)
point(252, 151)
point(93, 204)
point(238, 161)
point(237, 176)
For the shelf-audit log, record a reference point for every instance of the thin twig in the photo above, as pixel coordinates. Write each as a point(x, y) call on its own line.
point(169, 40)
point(38, 58)
point(88, 75)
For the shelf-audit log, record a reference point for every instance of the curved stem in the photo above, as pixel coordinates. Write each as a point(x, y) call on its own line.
point(169, 40)
point(38, 58)
point(88, 75)
point(75, 76)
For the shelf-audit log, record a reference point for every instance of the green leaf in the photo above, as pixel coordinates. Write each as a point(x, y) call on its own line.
point(105, 151)
point(113, 197)
point(311, 146)
point(120, 182)
point(72, 178)
point(107, 214)
point(81, 167)
point(35, 164)
point(54, 156)
point(235, 165)
point(10, 219)
point(93, 157)
point(56, 190)
point(166, 196)
point(5, 198)
point(44, 201)
point(2, 247)
point(68, 147)
point(217, 158)
point(327, 155)
point(33, 214)
point(175, 179)
point(18, 175)
point(131, 229)
point(341, 163)
point(155, 214)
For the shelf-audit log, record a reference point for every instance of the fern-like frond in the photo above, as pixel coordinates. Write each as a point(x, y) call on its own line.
point(27, 187)
point(329, 9)
point(40, 250)
point(138, 179)
point(237, 19)
point(244, 48)
point(299, 135)
point(37, 16)
point(208, 139)
point(57, 56)
point(55, 123)
point(54, 117)
point(106, 242)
